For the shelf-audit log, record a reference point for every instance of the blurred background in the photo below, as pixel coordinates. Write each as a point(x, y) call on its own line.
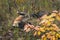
point(8, 9)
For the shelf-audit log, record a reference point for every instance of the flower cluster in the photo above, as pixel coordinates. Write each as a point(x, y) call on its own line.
point(49, 30)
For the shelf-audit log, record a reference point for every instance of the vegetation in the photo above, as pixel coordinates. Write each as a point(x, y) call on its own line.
point(8, 9)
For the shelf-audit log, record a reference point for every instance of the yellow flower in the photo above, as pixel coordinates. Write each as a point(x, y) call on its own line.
point(39, 33)
point(57, 35)
point(58, 18)
point(48, 23)
point(42, 29)
point(51, 28)
point(53, 38)
point(47, 28)
point(52, 15)
point(51, 19)
point(44, 37)
point(53, 33)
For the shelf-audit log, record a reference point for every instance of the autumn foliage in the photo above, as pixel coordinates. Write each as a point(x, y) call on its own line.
point(49, 30)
